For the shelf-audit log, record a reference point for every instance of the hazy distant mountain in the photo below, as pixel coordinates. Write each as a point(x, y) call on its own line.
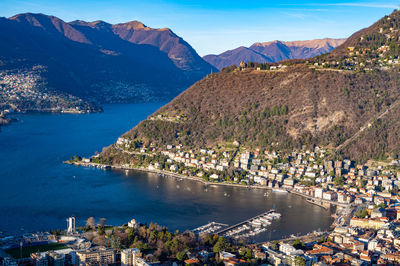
point(98, 61)
point(275, 51)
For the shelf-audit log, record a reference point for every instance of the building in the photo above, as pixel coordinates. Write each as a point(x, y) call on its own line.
point(343, 198)
point(8, 261)
point(288, 182)
point(378, 213)
point(290, 250)
point(39, 259)
point(141, 262)
point(96, 256)
point(133, 223)
point(71, 225)
point(173, 168)
point(330, 195)
point(129, 256)
point(318, 192)
point(376, 223)
point(55, 259)
point(214, 176)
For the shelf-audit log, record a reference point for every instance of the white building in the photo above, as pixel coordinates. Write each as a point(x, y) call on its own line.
point(129, 256)
point(330, 195)
point(141, 262)
point(173, 168)
point(289, 250)
point(318, 192)
point(214, 176)
point(132, 223)
point(71, 225)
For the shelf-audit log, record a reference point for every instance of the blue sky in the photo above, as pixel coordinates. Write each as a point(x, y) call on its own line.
point(213, 26)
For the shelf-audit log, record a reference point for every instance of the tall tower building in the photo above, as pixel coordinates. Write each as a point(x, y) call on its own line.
point(71, 225)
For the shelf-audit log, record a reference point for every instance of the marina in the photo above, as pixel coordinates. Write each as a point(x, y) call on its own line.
point(209, 228)
point(250, 227)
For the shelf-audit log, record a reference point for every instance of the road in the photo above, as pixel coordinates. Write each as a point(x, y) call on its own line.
point(366, 126)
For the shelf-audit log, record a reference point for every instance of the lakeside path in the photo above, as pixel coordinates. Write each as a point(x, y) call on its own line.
point(176, 175)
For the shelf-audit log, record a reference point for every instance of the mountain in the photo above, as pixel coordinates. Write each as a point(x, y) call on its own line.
point(91, 62)
point(179, 51)
point(347, 101)
point(275, 51)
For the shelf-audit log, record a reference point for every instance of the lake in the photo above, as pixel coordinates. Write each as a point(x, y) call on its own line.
point(38, 191)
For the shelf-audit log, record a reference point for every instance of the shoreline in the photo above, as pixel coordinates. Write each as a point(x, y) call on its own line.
point(176, 175)
point(192, 178)
point(55, 111)
point(161, 172)
point(7, 120)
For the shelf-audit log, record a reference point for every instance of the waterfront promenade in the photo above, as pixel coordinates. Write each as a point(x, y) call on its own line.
point(176, 175)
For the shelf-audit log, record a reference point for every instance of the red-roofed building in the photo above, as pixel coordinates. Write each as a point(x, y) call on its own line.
point(192, 261)
point(365, 256)
point(320, 251)
point(234, 261)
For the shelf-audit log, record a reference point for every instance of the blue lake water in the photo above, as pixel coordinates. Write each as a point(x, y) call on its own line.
point(38, 191)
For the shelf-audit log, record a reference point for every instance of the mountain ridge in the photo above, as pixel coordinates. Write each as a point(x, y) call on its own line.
point(273, 51)
point(94, 61)
point(346, 101)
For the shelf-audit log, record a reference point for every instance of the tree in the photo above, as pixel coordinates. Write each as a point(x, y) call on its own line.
point(298, 244)
point(102, 222)
point(339, 181)
point(116, 242)
point(141, 246)
point(75, 158)
point(299, 261)
point(275, 245)
point(246, 253)
point(361, 213)
point(100, 230)
point(181, 255)
point(221, 245)
point(90, 223)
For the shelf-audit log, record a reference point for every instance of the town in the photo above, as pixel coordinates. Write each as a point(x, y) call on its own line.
point(321, 129)
point(25, 90)
point(367, 219)
point(130, 244)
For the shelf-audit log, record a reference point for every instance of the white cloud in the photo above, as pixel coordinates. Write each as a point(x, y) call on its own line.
point(350, 4)
point(366, 4)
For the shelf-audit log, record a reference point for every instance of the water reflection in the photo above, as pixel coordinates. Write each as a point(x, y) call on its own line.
point(190, 204)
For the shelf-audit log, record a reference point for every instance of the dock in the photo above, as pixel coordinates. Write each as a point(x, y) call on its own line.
point(250, 227)
point(209, 228)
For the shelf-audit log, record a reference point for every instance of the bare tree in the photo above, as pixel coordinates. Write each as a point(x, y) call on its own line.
point(90, 222)
point(102, 222)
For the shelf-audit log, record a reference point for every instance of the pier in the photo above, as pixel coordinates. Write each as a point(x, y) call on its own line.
point(252, 226)
point(209, 228)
